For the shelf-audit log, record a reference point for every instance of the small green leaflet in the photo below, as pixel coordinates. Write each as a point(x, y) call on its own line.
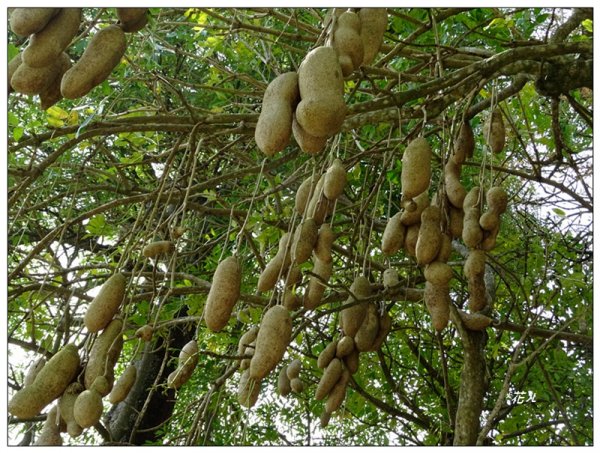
point(98, 226)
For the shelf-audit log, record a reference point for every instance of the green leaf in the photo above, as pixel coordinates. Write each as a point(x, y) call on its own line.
point(55, 122)
point(57, 112)
point(97, 226)
point(17, 133)
point(588, 25)
point(12, 51)
point(12, 119)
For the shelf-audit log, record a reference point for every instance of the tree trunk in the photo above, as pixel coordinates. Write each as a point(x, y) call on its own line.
point(472, 388)
point(123, 417)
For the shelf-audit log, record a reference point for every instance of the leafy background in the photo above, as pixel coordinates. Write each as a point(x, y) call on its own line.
point(167, 141)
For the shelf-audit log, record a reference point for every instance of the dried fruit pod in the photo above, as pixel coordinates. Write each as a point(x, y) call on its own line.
point(188, 356)
point(293, 277)
point(464, 145)
point(297, 385)
point(344, 346)
point(45, 46)
point(335, 180)
point(445, 249)
point(494, 132)
point(106, 304)
point(102, 54)
point(28, 80)
point(489, 239)
point(430, 236)
point(284, 250)
point(179, 376)
point(104, 354)
point(353, 316)
point(223, 294)
point(338, 392)
point(475, 263)
point(347, 42)
point(454, 189)
point(283, 383)
point(373, 24)
point(270, 274)
point(352, 361)
point(324, 419)
point(437, 301)
point(472, 234)
point(249, 350)
point(271, 342)
point(101, 385)
point(327, 354)
point(390, 278)
point(385, 325)
point(474, 270)
point(416, 168)
point(51, 94)
point(364, 338)
point(305, 238)
point(26, 21)
point(497, 200)
point(330, 377)
point(489, 221)
point(324, 243)
point(33, 371)
point(123, 385)
point(135, 26)
point(274, 126)
point(456, 222)
point(88, 408)
point(474, 321)
point(248, 390)
point(322, 109)
point(157, 248)
point(316, 285)
point(50, 434)
point(438, 273)
point(413, 217)
point(247, 339)
point(245, 363)
point(145, 333)
point(411, 238)
point(304, 194)
point(319, 206)
point(307, 143)
point(293, 369)
point(393, 235)
point(50, 382)
point(132, 19)
point(331, 13)
point(66, 403)
point(291, 300)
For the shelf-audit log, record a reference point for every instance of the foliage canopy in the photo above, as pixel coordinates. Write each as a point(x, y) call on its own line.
point(168, 141)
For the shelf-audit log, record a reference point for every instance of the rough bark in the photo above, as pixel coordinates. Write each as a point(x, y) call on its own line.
point(472, 388)
point(563, 75)
point(122, 418)
point(473, 374)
